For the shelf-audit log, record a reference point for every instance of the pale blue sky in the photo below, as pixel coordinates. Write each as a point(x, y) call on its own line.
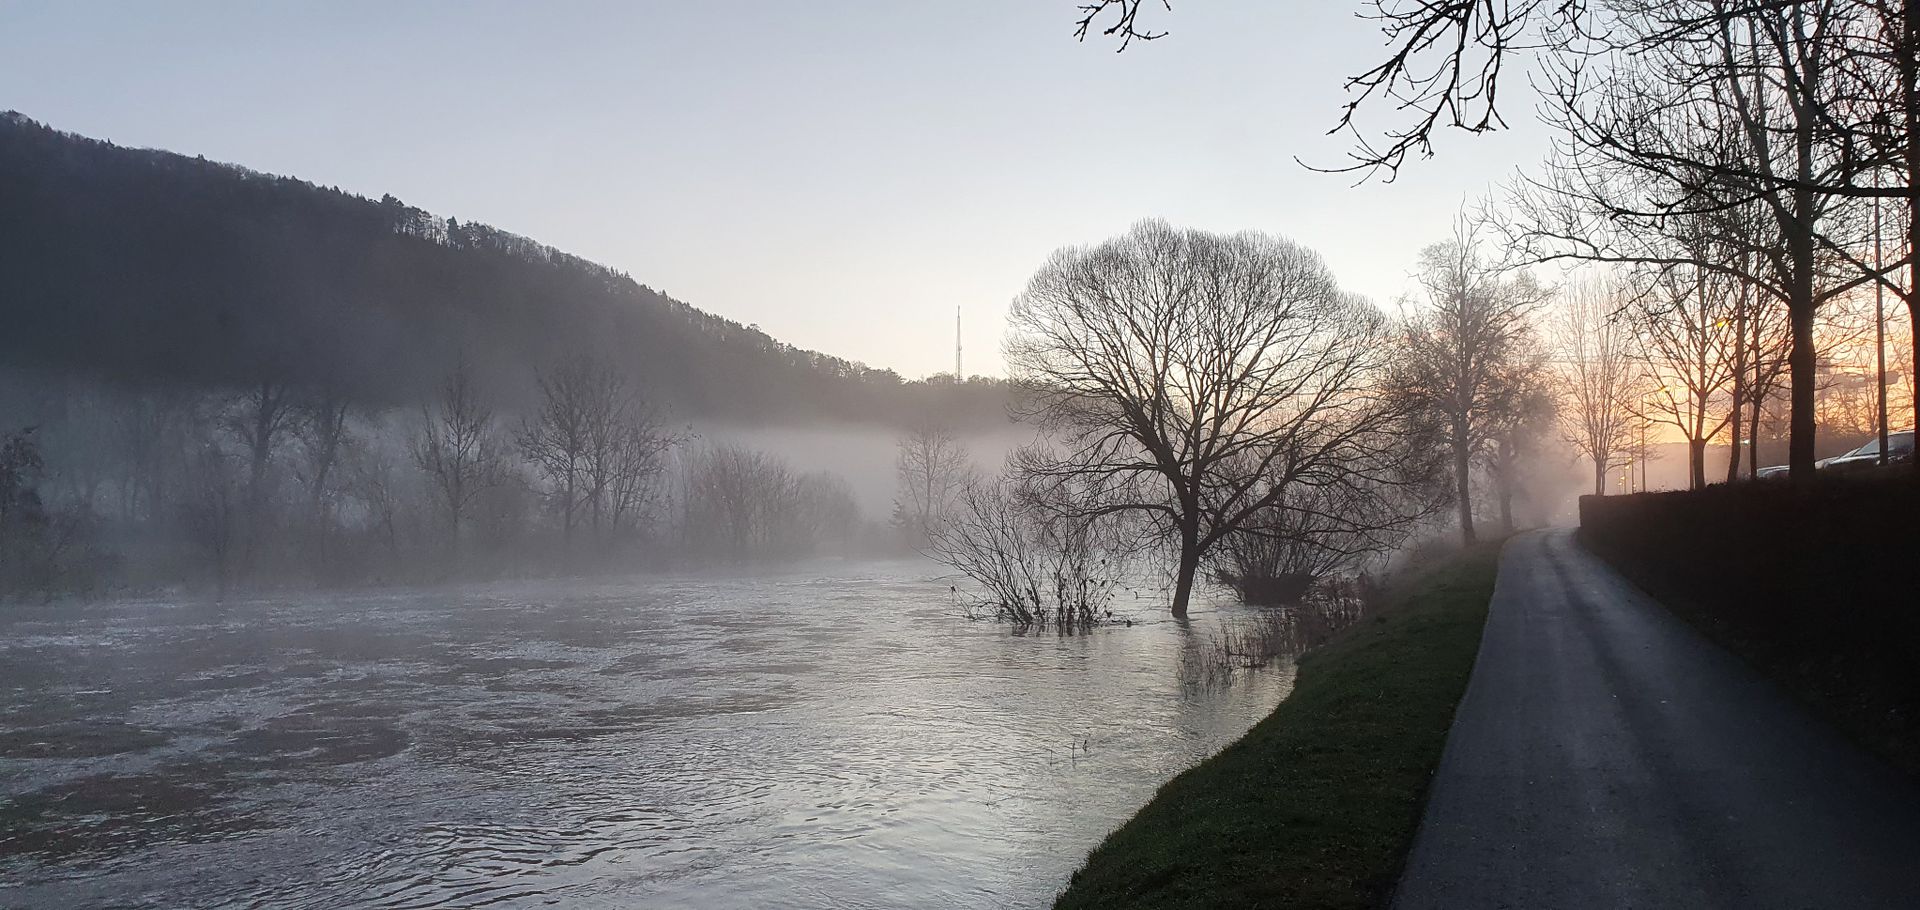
point(843, 174)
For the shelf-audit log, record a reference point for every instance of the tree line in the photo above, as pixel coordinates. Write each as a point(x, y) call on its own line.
point(280, 483)
point(1737, 175)
point(1215, 405)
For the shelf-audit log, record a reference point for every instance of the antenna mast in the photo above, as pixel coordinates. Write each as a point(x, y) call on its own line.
point(957, 375)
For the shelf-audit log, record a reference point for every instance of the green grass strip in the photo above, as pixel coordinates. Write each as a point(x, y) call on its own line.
point(1317, 805)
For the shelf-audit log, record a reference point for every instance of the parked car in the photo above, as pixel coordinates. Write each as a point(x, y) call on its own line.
point(1779, 471)
point(1899, 449)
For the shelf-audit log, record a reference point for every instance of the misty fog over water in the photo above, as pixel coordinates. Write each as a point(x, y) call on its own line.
point(792, 738)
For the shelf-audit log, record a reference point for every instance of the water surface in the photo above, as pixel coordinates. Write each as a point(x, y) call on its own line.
point(829, 736)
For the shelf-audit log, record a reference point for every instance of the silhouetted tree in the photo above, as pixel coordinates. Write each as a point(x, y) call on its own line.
point(1457, 362)
point(1197, 377)
point(1591, 336)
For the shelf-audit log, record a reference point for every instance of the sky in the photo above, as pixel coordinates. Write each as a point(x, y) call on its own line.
point(844, 175)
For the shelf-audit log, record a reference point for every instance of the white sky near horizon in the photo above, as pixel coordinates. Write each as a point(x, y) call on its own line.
point(842, 174)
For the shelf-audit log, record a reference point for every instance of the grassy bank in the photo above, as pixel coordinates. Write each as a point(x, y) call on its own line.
point(1317, 804)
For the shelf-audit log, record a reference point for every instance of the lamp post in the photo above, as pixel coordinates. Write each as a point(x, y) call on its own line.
point(1644, 420)
point(1643, 454)
point(1880, 333)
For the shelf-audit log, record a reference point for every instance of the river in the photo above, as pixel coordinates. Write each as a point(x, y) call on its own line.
point(823, 736)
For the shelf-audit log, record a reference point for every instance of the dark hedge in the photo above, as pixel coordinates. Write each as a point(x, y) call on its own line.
point(1816, 586)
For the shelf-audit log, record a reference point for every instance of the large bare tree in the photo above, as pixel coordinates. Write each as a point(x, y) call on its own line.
point(1594, 348)
point(1202, 376)
point(1462, 363)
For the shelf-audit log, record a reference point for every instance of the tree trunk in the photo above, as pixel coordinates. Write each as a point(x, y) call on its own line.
point(1910, 93)
point(454, 500)
point(1739, 397)
point(1697, 464)
point(1463, 482)
point(572, 495)
point(1733, 449)
point(1506, 509)
point(1189, 568)
point(1801, 362)
point(1599, 475)
point(1505, 483)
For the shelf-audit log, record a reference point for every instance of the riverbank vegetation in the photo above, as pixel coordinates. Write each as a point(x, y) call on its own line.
point(1831, 619)
point(1317, 805)
point(1217, 403)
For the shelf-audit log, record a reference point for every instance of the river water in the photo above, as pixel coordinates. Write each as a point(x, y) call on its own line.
point(824, 736)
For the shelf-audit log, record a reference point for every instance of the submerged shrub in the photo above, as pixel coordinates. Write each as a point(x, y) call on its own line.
point(1038, 554)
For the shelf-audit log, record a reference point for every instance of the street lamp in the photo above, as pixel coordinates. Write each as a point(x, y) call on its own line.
point(1880, 331)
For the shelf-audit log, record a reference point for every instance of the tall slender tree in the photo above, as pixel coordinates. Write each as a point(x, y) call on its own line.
point(1458, 360)
point(1594, 346)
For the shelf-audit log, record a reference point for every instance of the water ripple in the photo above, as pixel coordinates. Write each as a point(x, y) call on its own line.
point(823, 737)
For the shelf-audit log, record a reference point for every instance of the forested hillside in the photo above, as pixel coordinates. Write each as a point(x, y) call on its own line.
point(151, 268)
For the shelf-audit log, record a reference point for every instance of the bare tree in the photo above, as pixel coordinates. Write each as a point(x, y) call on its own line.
point(626, 454)
point(1845, 118)
point(375, 485)
point(1595, 348)
point(833, 513)
point(1688, 342)
point(23, 515)
point(259, 418)
point(1443, 66)
point(213, 501)
point(151, 432)
point(1320, 531)
point(1202, 375)
point(598, 445)
point(744, 504)
point(320, 424)
point(1818, 101)
point(625, 474)
point(1041, 551)
point(1694, 139)
point(1517, 428)
point(556, 439)
point(1459, 361)
point(931, 467)
point(459, 450)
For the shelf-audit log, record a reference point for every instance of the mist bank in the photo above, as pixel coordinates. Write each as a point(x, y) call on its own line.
point(106, 489)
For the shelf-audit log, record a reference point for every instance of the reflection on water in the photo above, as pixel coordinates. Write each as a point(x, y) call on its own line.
point(822, 737)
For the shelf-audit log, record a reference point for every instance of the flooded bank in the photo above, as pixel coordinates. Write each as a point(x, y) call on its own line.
point(823, 736)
